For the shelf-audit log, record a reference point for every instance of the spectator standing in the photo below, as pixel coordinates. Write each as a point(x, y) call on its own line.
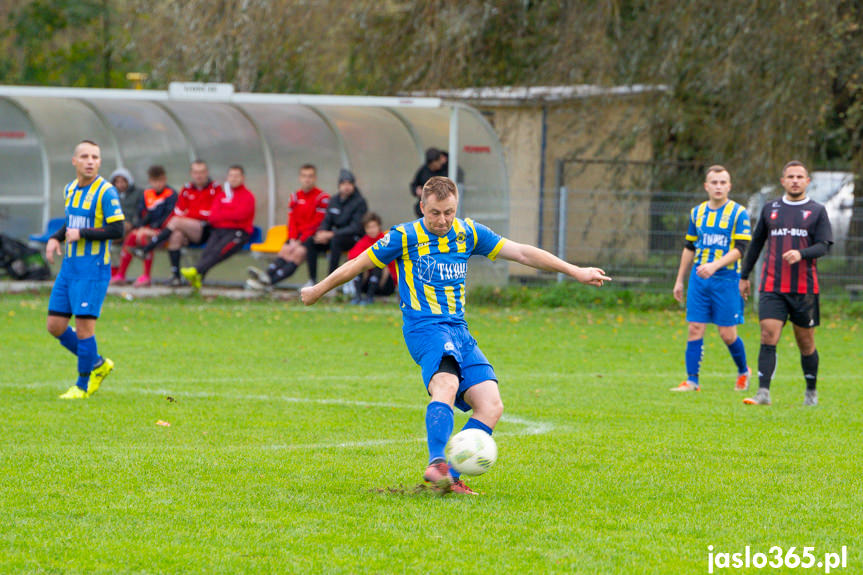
point(435, 160)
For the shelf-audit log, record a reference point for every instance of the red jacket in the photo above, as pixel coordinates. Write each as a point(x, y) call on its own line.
point(194, 203)
point(233, 208)
point(365, 243)
point(306, 212)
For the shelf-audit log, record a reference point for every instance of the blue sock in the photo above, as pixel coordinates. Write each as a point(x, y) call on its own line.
point(87, 355)
point(439, 423)
point(694, 353)
point(738, 354)
point(69, 340)
point(471, 424)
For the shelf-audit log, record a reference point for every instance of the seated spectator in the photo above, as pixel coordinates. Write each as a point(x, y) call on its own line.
point(231, 221)
point(434, 161)
point(189, 222)
point(341, 228)
point(375, 281)
point(305, 213)
point(155, 209)
point(131, 197)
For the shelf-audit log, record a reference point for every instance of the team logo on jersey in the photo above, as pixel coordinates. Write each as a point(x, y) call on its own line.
point(425, 268)
point(806, 213)
point(774, 214)
point(460, 237)
point(448, 346)
point(385, 241)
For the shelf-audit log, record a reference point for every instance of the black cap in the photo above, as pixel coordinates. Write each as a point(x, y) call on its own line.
point(346, 176)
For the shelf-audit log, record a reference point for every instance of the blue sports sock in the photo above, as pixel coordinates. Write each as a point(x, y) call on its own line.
point(69, 340)
point(738, 354)
point(471, 424)
point(694, 353)
point(439, 423)
point(87, 355)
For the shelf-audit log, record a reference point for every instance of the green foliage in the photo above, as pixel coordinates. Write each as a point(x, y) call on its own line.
point(297, 436)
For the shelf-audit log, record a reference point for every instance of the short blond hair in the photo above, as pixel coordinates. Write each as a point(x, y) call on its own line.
point(716, 168)
point(440, 187)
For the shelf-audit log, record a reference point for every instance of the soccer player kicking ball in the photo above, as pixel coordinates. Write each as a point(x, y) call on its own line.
point(94, 217)
point(716, 240)
point(432, 254)
point(797, 231)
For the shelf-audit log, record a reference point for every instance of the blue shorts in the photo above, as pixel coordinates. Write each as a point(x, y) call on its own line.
point(429, 344)
point(77, 296)
point(714, 300)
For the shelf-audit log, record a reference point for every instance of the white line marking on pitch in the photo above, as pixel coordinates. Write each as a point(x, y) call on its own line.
point(531, 427)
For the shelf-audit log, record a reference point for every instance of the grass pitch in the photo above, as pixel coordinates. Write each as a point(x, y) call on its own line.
point(296, 439)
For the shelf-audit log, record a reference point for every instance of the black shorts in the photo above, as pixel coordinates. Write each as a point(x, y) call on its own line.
point(801, 308)
point(205, 233)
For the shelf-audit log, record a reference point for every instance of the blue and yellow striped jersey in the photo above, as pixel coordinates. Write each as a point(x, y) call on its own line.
point(432, 269)
point(714, 232)
point(92, 206)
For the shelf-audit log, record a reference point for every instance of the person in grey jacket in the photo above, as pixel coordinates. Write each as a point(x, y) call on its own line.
point(342, 226)
point(131, 198)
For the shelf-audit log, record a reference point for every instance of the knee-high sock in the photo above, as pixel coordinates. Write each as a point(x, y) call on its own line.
point(766, 364)
point(738, 354)
point(809, 363)
point(174, 256)
point(694, 353)
point(157, 239)
point(88, 353)
point(280, 269)
point(69, 340)
point(471, 424)
point(148, 264)
point(439, 423)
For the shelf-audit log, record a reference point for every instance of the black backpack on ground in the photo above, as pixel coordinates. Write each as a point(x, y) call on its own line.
point(21, 262)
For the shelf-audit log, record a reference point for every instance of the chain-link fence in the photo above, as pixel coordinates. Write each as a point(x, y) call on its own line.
point(630, 218)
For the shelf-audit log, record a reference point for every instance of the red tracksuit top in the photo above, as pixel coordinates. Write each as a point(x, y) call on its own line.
point(233, 208)
point(306, 212)
point(194, 203)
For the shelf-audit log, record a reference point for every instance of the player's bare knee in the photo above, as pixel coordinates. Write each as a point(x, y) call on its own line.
point(728, 335)
point(55, 325)
point(696, 331)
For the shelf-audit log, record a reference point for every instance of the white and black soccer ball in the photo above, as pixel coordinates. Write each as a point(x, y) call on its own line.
point(471, 452)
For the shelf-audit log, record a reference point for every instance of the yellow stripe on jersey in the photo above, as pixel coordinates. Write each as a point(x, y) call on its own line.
point(739, 236)
point(76, 197)
point(408, 266)
point(711, 219)
point(431, 298)
point(422, 240)
point(699, 214)
point(493, 254)
point(726, 215)
point(68, 192)
point(375, 259)
point(469, 222)
point(93, 190)
point(459, 229)
point(450, 299)
point(99, 218)
point(443, 245)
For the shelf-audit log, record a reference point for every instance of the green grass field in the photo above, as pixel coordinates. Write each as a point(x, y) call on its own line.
point(297, 436)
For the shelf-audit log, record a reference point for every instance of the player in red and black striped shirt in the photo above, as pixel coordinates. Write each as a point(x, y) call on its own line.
point(797, 232)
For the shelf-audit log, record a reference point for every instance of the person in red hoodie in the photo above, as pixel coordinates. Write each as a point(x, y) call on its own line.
point(375, 281)
point(188, 224)
point(306, 212)
point(231, 221)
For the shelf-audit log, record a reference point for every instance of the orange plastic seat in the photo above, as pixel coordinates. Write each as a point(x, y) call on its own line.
point(276, 238)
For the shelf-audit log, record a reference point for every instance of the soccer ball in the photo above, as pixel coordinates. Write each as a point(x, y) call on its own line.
point(471, 452)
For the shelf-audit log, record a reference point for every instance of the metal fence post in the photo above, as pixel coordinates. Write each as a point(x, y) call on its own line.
point(561, 214)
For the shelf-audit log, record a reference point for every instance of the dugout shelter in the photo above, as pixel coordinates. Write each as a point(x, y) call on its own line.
point(381, 139)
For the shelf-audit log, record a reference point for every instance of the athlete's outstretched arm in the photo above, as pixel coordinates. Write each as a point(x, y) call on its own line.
point(543, 260)
point(343, 274)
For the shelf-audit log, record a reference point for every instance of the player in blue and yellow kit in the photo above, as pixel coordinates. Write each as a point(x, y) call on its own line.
point(719, 231)
point(94, 217)
point(431, 254)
